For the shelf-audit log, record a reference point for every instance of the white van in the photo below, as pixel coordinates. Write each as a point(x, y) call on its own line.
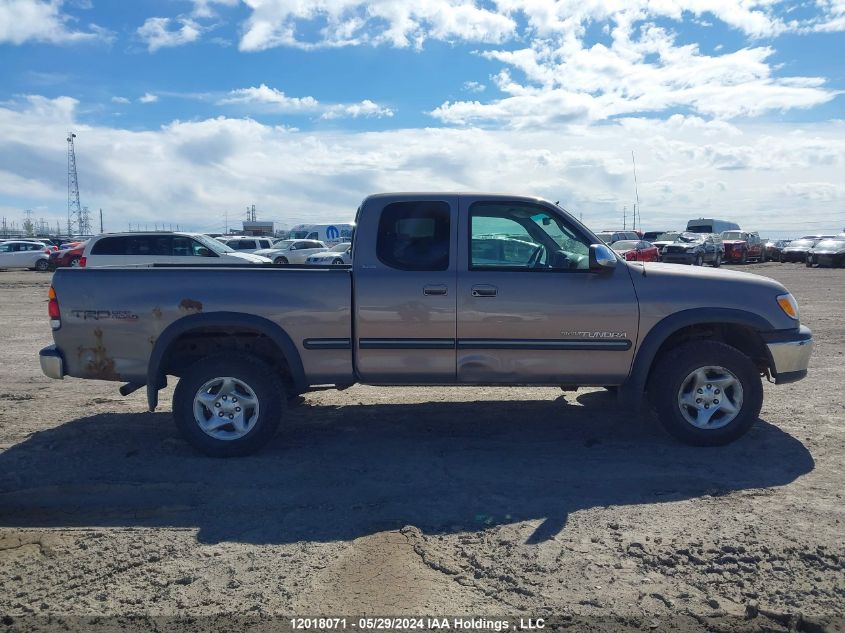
point(709, 225)
point(329, 234)
point(125, 249)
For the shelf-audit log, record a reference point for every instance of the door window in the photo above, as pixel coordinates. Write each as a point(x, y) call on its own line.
point(523, 237)
point(6, 248)
point(414, 235)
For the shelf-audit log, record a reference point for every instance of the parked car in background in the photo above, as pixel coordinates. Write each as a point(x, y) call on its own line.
point(247, 244)
point(161, 247)
point(709, 225)
point(329, 234)
point(67, 256)
point(796, 250)
point(773, 248)
point(609, 237)
point(337, 255)
point(650, 236)
point(636, 250)
point(694, 248)
point(827, 253)
point(292, 251)
point(24, 254)
point(743, 246)
point(664, 239)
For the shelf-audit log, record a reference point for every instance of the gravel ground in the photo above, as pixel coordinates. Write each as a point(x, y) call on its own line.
point(434, 501)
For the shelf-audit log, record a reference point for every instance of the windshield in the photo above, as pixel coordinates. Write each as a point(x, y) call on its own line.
point(800, 243)
point(624, 245)
point(690, 237)
point(339, 248)
point(299, 235)
point(732, 235)
point(282, 244)
point(831, 244)
point(213, 245)
point(669, 236)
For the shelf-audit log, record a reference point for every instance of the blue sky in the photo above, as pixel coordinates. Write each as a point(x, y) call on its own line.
point(188, 110)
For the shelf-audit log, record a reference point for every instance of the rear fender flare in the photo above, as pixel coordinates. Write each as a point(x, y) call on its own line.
point(155, 379)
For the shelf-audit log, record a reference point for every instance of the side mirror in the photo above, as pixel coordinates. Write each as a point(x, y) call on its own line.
point(602, 258)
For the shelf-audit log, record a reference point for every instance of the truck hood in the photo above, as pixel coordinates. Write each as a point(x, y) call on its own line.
point(255, 259)
point(664, 289)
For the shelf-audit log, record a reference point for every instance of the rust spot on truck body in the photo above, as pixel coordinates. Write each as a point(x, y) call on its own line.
point(95, 361)
point(190, 305)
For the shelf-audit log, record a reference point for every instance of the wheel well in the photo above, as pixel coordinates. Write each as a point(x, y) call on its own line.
point(741, 337)
point(191, 346)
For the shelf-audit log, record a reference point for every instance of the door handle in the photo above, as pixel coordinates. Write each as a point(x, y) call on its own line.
point(435, 290)
point(484, 291)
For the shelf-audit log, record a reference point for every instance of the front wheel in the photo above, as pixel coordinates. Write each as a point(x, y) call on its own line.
point(699, 261)
point(706, 393)
point(808, 262)
point(718, 261)
point(337, 262)
point(228, 404)
point(75, 262)
point(280, 261)
point(42, 265)
point(744, 258)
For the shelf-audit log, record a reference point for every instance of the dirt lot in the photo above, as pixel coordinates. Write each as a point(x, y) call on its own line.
point(422, 501)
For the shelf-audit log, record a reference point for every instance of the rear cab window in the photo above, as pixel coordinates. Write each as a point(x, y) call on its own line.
point(415, 235)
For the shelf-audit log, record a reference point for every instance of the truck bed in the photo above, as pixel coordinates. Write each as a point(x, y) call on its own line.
point(113, 317)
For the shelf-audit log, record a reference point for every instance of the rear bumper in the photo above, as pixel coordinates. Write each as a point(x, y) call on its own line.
point(52, 362)
point(790, 353)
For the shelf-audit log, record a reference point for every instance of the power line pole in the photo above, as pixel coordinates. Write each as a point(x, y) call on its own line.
point(637, 194)
point(101, 219)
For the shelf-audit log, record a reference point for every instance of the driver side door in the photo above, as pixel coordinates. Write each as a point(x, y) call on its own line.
point(529, 317)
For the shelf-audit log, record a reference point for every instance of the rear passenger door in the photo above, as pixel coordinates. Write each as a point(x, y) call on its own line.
point(405, 291)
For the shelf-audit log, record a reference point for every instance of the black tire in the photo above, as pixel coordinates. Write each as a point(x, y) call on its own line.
point(782, 258)
point(699, 260)
point(281, 261)
point(744, 258)
point(73, 262)
point(260, 378)
point(673, 370)
point(42, 265)
point(718, 261)
point(337, 262)
point(808, 262)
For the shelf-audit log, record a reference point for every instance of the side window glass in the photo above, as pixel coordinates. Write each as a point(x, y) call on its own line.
point(523, 237)
point(182, 246)
point(162, 246)
point(5, 248)
point(111, 246)
point(141, 245)
point(414, 235)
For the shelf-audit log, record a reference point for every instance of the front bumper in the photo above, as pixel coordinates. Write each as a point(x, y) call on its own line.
point(52, 362)
point(678, 258)
point(794, 256)
point(790, 352)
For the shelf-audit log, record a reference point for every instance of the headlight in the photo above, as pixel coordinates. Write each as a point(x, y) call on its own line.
point(788, 304)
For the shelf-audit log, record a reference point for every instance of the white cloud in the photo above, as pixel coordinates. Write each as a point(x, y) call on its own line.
point(205, 8)
point(148, 97)
point(42, 21)
point(758, 174)
point(158, 33)
point(474, 86)
point(265, 98)
point(122, 100)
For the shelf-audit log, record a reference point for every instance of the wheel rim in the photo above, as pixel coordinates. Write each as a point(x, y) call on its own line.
point(280, 261)
point(710, 397)
point(74, 262)
point(226, 408)
point(41, 265)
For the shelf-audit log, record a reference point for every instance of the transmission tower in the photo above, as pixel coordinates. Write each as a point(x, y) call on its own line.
point(74, 208)
point(85, 222)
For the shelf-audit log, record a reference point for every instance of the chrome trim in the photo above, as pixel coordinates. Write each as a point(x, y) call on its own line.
point(790, 356)
point(52, 363)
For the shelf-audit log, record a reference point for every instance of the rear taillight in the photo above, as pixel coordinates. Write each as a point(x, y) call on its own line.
point(53, 310)
point(631, 256)
point(83, 261)
point(47, 251)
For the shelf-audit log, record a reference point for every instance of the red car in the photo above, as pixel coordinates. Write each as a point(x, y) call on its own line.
point(742, 246)
point(67, 256)
point(636, 250)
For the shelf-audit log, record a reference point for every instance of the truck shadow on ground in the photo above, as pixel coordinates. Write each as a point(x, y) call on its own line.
point(338, 473)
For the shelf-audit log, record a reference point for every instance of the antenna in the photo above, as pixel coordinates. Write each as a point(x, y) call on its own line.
point(637, 194)
point(74, 208)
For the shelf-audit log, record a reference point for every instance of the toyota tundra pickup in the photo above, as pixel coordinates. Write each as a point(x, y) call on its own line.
point(444, 289)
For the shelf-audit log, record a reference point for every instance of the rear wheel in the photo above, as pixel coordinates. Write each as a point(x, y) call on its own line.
point(706, 393)
point(280, 261)
point(744, 258)
point(808, 262)
point(337, 262)
point(699, 260)
point(74, 262)
point(228, 404)
point(718, 261)
point(42, 265)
